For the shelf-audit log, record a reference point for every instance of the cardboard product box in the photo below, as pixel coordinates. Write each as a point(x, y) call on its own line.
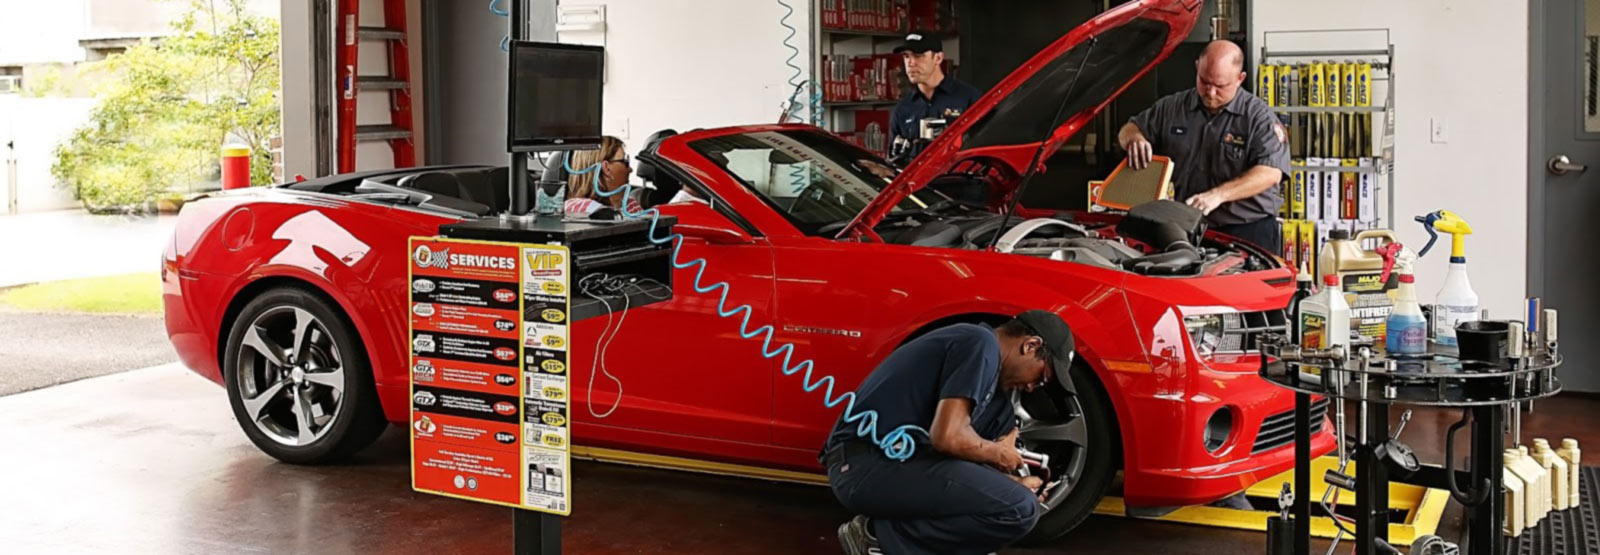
point(872, 127)
point(1296, 201)
point(1366, 207)
point(1308, 245)
point(1313, 204)
point(1330, 190)
point(1290, 231)
point(1350, 190)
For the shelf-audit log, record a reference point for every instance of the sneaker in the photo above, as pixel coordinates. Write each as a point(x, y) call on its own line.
point(855, 537)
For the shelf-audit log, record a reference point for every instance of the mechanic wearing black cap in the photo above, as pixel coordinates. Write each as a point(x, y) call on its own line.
point(1229, 149)
point(934, 95)
point(957, 493)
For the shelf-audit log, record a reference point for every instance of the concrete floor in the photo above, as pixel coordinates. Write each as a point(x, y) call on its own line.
point(150, 461)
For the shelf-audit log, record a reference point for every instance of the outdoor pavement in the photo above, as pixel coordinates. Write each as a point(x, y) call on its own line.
point(40, 350)
point(69, 244)
point(151, 461)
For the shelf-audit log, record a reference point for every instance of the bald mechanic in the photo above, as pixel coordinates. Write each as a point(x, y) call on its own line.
point(1229, 149)
point(958, 492)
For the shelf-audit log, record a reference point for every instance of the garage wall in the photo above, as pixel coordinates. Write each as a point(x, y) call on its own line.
point(1465, 63)
point(689, 64)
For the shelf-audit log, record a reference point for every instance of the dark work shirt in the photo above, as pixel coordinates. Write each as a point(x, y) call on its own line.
point(960, 360)
point(1209, 150)
point(950, 99)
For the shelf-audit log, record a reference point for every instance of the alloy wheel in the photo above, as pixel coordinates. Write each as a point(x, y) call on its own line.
point(1063, 435)
point(290, 376)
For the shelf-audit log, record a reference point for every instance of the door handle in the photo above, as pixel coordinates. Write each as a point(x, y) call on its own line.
point(1560, 165)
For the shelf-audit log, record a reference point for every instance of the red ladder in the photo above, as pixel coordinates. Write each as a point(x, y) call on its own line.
point(397, 83)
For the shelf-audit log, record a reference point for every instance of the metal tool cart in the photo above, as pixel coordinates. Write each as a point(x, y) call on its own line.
point(1486, 391)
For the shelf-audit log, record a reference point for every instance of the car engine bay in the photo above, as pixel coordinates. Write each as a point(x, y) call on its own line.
point(1158, 239)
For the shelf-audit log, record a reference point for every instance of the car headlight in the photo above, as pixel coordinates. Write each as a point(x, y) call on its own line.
point(1211, 333)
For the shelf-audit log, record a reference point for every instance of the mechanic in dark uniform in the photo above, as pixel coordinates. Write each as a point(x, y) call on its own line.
point(957, 493)
point(933, 95)
point(1229, 149)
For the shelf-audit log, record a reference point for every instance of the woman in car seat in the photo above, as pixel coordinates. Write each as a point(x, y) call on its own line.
point(582, 198)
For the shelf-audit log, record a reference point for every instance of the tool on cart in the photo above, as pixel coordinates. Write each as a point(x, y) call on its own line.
point(1485, 388)
point(1456, 301)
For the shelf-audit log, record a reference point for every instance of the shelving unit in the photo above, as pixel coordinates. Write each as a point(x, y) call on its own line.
point(1346, 142)
point(857, 112)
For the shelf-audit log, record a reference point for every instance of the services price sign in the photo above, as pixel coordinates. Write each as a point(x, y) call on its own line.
point(489, 380)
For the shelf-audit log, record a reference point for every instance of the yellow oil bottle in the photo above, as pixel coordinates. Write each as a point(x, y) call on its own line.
point(1570, 453)
point(1516, 498)
point(1529, 474)
point(1557, 469)
point(1360, 268)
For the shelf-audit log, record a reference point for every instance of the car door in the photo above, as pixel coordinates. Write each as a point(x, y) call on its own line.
point(679, 368)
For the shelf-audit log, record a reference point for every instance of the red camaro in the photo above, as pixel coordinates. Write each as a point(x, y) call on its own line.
point(295, 297)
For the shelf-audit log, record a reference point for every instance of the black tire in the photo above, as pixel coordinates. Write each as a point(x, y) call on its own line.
point(355, 418)
point(1102, 455)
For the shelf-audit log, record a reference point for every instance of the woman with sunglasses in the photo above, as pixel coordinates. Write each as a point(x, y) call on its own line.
point(582, 196)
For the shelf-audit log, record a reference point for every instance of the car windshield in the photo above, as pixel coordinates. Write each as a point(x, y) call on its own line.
point(814, 179)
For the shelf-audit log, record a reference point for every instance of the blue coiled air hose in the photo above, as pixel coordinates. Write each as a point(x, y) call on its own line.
point(898, 444)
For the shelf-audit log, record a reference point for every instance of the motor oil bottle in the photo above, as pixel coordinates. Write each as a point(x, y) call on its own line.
point(1303, 288)
point(1558, 474)
point(1406, 332)
point(1528, 473)
point(1325, 317)
point(1516, 506)
point(1361, 277)
point(1569, 452)
point(1543, 483)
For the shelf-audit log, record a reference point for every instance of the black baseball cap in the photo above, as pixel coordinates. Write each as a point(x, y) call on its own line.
point(920, 42)
point(1055, 334)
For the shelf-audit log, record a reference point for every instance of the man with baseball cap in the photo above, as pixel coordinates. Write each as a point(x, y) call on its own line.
point(934, 95)
point(958, 492)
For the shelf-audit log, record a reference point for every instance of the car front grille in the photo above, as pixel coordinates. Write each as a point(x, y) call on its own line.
point(1278, 430)
point(1241, 330)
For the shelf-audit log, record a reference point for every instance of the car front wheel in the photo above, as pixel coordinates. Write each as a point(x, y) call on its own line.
point(1075, 426)
point(299, 380)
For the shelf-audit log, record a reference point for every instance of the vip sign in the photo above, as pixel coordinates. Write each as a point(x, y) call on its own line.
point(489, 407)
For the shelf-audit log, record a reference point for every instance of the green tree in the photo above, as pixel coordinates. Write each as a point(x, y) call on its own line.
point(167, 107)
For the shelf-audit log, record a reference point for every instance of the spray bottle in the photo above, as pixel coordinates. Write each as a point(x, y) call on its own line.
point(1456, 302)
point(1406, 332)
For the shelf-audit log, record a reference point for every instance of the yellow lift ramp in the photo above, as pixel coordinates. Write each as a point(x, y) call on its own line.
point(1421, 508)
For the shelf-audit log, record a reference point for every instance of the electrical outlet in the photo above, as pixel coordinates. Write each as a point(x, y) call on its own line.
point(1438, 130)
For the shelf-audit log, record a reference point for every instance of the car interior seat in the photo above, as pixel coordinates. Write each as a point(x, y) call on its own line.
point(438, 183)
point(481, 184)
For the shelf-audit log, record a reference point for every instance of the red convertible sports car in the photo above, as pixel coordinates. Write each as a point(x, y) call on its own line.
point(294, 297)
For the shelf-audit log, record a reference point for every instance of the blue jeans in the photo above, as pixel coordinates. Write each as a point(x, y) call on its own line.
point(932, 503)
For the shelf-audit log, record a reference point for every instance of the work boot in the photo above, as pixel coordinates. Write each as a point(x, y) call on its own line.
point(856, 538)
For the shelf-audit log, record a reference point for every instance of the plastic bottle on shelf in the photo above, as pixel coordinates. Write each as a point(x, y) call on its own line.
point(1543, 486)
point(1569, 452)
point(1558, 474)
point(1532, 485)
point(1516, 506)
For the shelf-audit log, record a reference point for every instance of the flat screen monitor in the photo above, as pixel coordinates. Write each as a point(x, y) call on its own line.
point(555, 96)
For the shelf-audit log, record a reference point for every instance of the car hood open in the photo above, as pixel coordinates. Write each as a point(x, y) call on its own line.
point(1047, 99)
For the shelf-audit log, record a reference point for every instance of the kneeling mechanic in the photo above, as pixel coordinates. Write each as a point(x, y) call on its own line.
point(957, 493)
